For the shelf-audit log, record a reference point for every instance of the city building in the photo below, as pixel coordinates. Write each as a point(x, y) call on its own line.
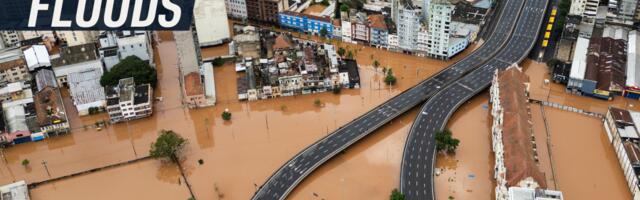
point(598, 68)
point(622, 11)
point(578, 66)
point(379, 32)
point(211, 22)
point(75, 59)
point(440, 42)
point(37, 57)
point(265, 10)
point(346, 30)
point(360, 31)
point(45, 78)
point(15, 91)
point(128, 101)
point(75, 38)
point(190, 65)
point(236, 9)
point(15, 191)
point(632, 87)
point(306, 23)
point(392, 42)
point(622, 131)
point(337, 29)
point(408, 26)
point(51, 114)
point(118, 45)
point(10, 38)
point(247, 43)
point(516, 158)
point(587, 9)
point(13, 67)
point(86, 91)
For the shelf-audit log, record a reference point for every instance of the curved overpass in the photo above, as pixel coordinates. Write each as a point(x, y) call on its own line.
point(416, 176)
point(288, 176)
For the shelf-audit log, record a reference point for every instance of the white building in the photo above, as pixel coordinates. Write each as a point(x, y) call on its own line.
point(578, 65)
point(209, 83)
point(622, 131)
point(118, 45)
point(75, 38)
point(587, 9)
point(622, 11)
point(15, 191)
point(346, 31)
point(439, 29)
point(393, 43)
point(129, 101)
point(10, 38)
point(211, 22)
point(86, 91)
point(75, 59)
point(408, 26)
point(236, 9)
point(422, 43)
point(633, 59)
point(37, 56)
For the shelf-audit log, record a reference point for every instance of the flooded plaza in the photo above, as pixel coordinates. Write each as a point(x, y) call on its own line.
point(241, 154)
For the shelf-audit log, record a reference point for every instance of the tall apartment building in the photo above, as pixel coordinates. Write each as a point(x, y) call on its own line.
point(622, 11)
point(10, 38)
point(236, 8)
point(265, 10)
point(587, 9)
point(74, 38)
point(13, 67)
point(440, 29)
point(408, 24)
point(129, 101)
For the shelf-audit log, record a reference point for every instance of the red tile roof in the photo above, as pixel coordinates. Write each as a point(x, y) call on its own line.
point(516, 131)
point(377, 21)
point(193, 84)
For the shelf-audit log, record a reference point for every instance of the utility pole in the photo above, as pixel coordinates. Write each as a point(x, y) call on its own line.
point(44, 163)
point(131, 139)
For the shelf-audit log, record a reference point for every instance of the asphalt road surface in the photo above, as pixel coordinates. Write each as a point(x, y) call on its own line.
point(416, 177)
point(288, 176)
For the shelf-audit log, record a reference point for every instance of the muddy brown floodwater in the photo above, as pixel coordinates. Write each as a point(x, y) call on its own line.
point(242, 153)
point(237, 155)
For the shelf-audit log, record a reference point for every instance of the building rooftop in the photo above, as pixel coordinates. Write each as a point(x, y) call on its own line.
point(193, 84)
point(142, 94)
point(85, 87)
point(633, 60)
point(49, 107)
point(326, 19)
point(44, 78)
point(377, 21)
point(125, 89)
point(519, 153)
point(37, 56)
point(15, 191)
point(283, 42)
point(606, 63)
point(579, 64)
point(75, 54)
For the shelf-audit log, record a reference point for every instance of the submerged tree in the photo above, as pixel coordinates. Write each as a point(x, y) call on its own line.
point(446, 142)
point(167, 146)
point(396, 195)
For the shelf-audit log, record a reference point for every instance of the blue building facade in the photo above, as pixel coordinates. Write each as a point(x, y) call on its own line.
point(305, 23)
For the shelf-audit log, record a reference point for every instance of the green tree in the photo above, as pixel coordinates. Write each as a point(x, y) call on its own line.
point(167, 146)
point(344, 8)
point(324, 32)
point(396, 195)
point(446, 142)
point(317, 102)
point(341, 51)
point(350, 54)
point(376, 64)
point(217, 61)
point(390, 79)
point(226, 115)
point(325, 2)
point(25, 162)
point(131, 66)
point(337, 89)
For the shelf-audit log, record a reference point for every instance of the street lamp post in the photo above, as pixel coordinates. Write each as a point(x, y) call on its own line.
point(44, 163)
